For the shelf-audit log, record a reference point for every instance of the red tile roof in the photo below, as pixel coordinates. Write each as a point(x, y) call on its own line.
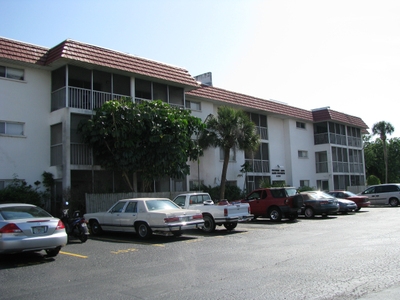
point(218, 94)
point(17, 51)
point(97, 56)
point(272, 107)
point(327, 114)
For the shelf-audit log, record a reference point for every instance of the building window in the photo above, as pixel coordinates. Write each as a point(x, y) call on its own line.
point(12, 73)
point(11, 128)
point(304, 183)
point(340, 160)
point(193, 105)
point(301, 125)
point(195, 185)
point(302, 154)
point(321, 161)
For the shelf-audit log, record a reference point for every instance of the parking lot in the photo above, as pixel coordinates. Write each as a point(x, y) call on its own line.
point(352, 256)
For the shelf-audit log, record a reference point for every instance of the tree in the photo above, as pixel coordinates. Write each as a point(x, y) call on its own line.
point(152, 138)
point(382, 129)
point(231, 129)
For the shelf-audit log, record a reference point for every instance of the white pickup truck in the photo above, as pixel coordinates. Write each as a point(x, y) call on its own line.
point(228, 214)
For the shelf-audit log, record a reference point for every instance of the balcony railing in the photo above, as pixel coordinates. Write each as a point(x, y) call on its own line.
point(262, 132)
point(81, 154)
point(258, 166)
point(87, 99)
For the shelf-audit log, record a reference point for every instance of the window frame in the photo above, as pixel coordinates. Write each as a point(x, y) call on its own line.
point(300, 125)
point(5, 133)
point(8, 73)
point(302, 152)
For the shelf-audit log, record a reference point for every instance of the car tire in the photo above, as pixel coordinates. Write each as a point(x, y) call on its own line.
point(275, 214)
point(143, 230)
point(393, 202)
point(83, 237)
point(358, 209)
point(209, 224)
point(230, 226)
point(309, 212)
point(293, 217)
point(53, 252)
point(95, 227)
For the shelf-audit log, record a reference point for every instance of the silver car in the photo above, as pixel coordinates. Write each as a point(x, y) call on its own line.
point(26, 228)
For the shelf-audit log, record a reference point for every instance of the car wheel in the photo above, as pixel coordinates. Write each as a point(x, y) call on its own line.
point(358, 209)
point(293, 217)
point(95, 227)
point(309, 212)
point(230, 226)
point(209, 224)
point(393, 202)
point(275, 214)
point(144, 231)
point(53, 252)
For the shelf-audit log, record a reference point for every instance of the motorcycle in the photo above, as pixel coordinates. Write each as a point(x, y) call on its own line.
point(75, 226)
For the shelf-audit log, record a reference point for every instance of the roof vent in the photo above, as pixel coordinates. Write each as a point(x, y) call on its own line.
point(321, 108)
point(205, 78)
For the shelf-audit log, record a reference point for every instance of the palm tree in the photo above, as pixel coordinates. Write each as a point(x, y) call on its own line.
point(231, 129)
point(383, 128)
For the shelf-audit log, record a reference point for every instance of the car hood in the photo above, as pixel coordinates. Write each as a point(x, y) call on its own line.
point(345, 201)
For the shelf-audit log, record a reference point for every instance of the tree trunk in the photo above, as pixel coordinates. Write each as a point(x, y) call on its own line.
point(223, 175)
point(385, 158)
point(125, 175)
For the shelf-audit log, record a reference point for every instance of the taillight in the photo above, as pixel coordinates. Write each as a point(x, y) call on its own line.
point(196, 217)
point(10, 228)
point(171, 219)
point(324, 202)
point(60, 225)
point(225, 212)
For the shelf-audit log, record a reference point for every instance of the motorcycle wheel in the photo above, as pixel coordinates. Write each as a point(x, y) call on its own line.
point(83, 237)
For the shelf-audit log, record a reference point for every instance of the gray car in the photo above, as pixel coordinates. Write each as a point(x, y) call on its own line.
point(318, 203)
point(28, 228)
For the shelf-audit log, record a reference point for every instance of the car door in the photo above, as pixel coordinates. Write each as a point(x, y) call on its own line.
point(127, 217)
point(375, 195)
point(111, 220)
point(258, 203)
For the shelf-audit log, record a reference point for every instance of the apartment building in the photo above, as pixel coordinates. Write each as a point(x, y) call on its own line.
point(45, 92)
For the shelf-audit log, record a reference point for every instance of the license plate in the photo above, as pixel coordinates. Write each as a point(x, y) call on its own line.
point(39, 229)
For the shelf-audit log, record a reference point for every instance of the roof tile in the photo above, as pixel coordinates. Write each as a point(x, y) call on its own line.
point(217, 94)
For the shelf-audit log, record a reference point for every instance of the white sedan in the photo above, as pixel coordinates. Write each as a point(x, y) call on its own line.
point(145, 216)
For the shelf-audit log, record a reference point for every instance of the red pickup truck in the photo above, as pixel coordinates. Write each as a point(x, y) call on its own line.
point(275, 203)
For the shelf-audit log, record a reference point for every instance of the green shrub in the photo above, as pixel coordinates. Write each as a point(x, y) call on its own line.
point(232, 192)
point(305, 189)
point(20, 192)
point(373, 180)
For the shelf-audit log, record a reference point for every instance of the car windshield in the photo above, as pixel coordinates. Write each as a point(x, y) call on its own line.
point(291, 191)
point(159, 204)
point(23, 212)
point(320, 195)
point(350, 194)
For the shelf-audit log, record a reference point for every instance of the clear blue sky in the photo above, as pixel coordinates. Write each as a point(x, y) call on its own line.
point(344, 54)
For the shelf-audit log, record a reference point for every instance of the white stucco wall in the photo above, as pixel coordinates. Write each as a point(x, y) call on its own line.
point(302, 139)
point(211, 164)
point(26, 101)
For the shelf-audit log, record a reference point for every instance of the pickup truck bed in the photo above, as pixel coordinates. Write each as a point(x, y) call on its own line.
point(227, 215)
